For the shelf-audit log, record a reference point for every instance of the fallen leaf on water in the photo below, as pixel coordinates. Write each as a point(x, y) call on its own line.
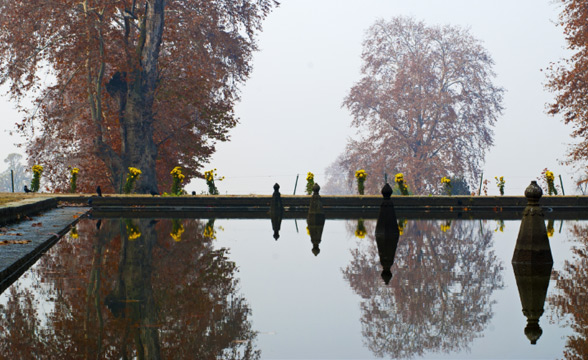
point(10, 242)
point(13, 234)
point(75, 216)
point(37, 224)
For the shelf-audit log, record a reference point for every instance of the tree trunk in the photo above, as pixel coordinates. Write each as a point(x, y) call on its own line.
point(138, 147)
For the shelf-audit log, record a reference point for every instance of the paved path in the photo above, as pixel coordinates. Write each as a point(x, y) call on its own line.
point(21, 244)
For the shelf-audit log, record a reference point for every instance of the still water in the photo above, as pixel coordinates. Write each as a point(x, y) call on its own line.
point(225, 289)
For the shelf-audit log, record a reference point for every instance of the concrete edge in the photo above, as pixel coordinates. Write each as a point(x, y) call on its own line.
point(16, 211)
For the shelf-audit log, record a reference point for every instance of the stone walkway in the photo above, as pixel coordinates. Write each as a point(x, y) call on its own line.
point(21, 244)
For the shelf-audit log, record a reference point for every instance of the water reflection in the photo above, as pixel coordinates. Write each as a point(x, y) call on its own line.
point(127, 289)
point(439, 297)
point(571, 297)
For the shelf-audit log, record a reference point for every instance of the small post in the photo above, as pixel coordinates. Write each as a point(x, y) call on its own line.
point(296, 184)
point(385, 178)
point(481, 180)
point(562, 189)
point(12, 179)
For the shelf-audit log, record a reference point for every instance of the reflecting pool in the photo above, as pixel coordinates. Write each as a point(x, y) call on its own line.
point(225, 289)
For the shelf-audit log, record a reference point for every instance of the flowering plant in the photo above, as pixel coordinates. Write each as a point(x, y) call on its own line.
point(177, 230)
point(446, 185)
point(446, 226)
point(401, 226)
point(210, 176)
point(309, 183)
point(178, 178)
point(132, 177)
point(36, 182)
point(360, 230)
point(74, 233)
point(399, 179)
point(73, 180)
point(209, 231)
point(500, 184)
point(133, 231)
point(360, 175)
point(549, 177)
point(550, 229)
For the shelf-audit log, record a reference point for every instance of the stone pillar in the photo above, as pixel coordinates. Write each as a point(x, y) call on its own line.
point(387, 234)
point(276, 211)
point(315, 219)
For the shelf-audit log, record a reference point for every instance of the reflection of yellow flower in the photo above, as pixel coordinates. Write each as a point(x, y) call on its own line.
point(446, 226)
point(360, 229)
point(134, 235)
point(361, 174)
point(401, 226)
point(74, 171)
point(550, 232)
point(499, 226)
point(307, 231)
point(360, 233)
point(177, 234)
point(74, 233)
point(209, 232)
point(132, 231)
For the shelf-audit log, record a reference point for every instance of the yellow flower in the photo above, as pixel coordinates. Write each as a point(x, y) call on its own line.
point(445, 180)
point(37, 169)
point(549, 176)
point(309, 176)
point(361, 174)
point(75, 171)
point(399, 178)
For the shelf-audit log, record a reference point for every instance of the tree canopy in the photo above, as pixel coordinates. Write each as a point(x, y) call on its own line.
point(568, 78)
point(424, 106)
point(143, 83)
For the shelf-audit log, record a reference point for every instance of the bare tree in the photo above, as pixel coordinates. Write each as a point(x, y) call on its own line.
point(424, 106)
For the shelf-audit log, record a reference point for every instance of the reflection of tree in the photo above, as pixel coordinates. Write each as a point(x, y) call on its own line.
point(571, 299)
point(113, 295)
point(439, 296)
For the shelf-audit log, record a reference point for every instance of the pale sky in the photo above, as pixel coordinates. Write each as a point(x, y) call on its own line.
point(292, 121)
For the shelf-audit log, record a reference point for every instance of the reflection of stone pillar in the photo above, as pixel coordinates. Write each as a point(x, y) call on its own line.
point(276, 211)
point(532, 262)
point(532, 242)
point(315, 219)
point(532, 282)
point(387, 234)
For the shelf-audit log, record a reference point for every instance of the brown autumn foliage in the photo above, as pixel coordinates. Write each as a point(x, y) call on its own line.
point(111, 295)
point(440, 296)
point(424, 106)
point(568, 79)
point(143, 83)
point(570, 301)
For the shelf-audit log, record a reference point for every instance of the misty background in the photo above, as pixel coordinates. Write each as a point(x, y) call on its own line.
point(291, 119)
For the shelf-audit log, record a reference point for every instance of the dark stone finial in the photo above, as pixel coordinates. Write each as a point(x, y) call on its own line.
point(533, 331)
point(276, 187)
point(387, 191)
point(533, 193)
point(276, 211)
point(315, 189)
point(386, 276)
